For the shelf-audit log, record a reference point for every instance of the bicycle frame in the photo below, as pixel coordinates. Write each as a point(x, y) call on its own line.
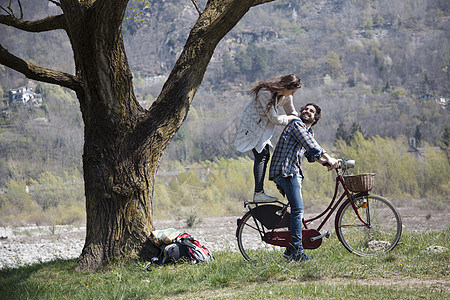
point(346, 193)
point(312, 238)
point(365, 224)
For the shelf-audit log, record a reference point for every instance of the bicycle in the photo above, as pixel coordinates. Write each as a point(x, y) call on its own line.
point(365, 224)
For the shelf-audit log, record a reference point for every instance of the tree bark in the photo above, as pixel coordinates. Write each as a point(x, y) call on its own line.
point(117, 173)
point(124, 142)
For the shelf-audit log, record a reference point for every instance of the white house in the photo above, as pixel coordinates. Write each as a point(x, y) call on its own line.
point(24, 95)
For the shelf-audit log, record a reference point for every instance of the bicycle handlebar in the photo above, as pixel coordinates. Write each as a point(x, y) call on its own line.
point(347, 164)
point(343, 164)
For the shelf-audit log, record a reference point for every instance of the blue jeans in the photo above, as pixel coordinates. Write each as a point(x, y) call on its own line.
point(292, 186)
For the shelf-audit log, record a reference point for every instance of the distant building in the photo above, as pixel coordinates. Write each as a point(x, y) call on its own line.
point(24, 96)
point(262, 34)
point(443, 102)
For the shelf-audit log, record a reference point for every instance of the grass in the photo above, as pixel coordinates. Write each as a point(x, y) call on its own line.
point(407, 272)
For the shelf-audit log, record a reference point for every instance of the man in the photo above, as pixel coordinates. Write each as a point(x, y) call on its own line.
point(297, 140)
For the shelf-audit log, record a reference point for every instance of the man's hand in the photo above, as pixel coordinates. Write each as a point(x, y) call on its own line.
point(332, 163)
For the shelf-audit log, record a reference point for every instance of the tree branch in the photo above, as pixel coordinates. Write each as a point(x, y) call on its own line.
point(10, 11)
point(259, 2)
point(47, 24)
point(196, 7)
point(38, 73)
point(55, 2)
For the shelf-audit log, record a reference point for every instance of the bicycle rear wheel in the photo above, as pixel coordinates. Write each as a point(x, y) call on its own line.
point(249, 236)
point(380, 235)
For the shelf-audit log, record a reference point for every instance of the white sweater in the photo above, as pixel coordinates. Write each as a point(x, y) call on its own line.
point(256, 128)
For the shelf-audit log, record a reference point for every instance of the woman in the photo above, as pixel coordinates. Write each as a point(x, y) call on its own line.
point(258, 124)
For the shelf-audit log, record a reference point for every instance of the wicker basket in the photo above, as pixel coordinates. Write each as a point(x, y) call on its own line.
point(359, 183)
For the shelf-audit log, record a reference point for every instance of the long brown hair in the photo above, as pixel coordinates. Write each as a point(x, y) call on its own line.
point(277, 84)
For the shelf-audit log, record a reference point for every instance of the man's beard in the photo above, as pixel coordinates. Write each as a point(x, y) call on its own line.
point(307, 121)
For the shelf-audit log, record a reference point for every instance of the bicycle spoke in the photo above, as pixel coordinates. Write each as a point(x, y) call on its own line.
point(356, 225)
point(383, 229)
point(251, 226)
point(250, 242)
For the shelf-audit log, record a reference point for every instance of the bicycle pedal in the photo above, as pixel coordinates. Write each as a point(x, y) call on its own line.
point(326, 234)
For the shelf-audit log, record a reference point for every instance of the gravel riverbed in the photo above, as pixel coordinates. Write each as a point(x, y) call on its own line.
point(27, 245)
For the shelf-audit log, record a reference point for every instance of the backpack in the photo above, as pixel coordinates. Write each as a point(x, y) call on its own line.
point(173, 252)
point(184, 246)
point(197, 252)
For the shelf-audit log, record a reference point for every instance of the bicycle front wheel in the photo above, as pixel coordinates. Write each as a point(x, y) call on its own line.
point(380, 231)
point(249, 236)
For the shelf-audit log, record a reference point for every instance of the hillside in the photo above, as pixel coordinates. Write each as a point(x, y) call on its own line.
point(379, 67)
point(356, 59)
point(353, 42)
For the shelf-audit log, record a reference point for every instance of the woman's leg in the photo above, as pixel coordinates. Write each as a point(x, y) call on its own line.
point(259, 167)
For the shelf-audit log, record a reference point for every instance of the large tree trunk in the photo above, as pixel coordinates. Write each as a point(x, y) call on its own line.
point(123, 142)
point(118, 165)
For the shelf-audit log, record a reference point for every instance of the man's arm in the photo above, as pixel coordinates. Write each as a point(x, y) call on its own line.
point(314, 151)
point(331, 162)
point(302, 136)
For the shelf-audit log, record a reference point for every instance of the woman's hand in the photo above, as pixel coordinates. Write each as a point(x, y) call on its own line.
point(292, 117)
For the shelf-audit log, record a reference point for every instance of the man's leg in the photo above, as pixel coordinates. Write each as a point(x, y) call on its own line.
point(292, 187)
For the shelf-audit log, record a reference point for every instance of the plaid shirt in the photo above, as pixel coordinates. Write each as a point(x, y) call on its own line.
point(295, 141)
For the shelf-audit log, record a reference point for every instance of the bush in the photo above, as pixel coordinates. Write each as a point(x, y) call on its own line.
point(50, 199)
point(218, 188)
point(399, 92)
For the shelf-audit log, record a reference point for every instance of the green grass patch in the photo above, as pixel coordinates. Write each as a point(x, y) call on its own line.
point(407, 272)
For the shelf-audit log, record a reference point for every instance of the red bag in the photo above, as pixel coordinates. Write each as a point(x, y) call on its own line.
point(197, 251)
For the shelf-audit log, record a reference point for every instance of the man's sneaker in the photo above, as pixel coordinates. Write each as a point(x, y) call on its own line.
point(262, 197)
point(287, 253)
point(301, 256)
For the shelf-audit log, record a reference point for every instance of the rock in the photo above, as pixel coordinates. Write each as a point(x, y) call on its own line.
point(435, 249)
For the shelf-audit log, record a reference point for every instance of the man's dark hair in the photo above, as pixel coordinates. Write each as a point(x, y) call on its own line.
point(318, 113)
